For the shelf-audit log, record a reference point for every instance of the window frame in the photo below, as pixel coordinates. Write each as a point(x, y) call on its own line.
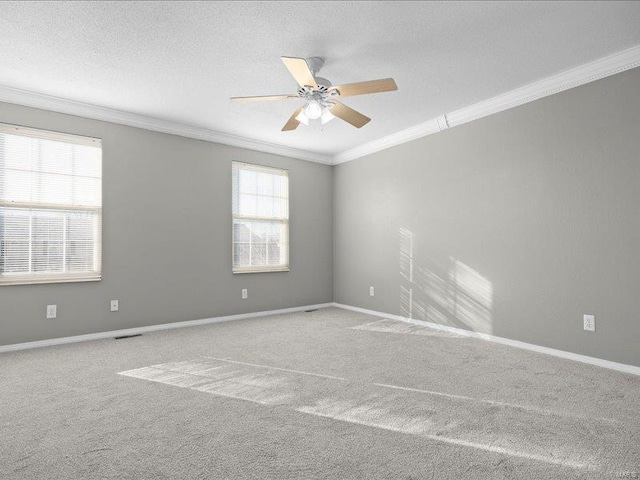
point(286, 222)
point(35, 278)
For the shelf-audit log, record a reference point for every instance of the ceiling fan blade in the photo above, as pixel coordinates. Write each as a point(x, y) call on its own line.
point(348, 114)
point(262, 98)
point(371, 86)
point(292, 123)
point(300, 71)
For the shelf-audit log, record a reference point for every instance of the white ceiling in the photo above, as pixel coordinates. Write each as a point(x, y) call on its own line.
point(181, 61)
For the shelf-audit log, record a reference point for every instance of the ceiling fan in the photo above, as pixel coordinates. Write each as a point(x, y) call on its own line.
point(320, 96)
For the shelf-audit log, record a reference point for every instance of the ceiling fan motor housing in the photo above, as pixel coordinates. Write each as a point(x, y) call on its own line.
point(322, 94)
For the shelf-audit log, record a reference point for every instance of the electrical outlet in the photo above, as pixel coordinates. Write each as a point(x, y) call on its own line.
point(372, 291)
point(589, 322)
point(114, 305)
point(52, 311)
point(245, 294)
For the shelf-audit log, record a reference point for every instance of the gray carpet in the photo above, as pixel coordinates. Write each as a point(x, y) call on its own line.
point(329, 394)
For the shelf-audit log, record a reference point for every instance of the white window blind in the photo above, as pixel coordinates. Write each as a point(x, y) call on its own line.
point(260, 219)
point(50, 206)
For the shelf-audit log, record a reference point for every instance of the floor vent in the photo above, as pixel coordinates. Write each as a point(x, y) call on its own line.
point(127, 336)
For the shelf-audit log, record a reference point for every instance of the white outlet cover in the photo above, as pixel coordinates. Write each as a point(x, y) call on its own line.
point(589, 323)
point(372, 291)
point(245, 293)
point(52, 311)
point(114, 305)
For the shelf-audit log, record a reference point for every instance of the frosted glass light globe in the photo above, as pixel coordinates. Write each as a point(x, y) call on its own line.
point(313, 110)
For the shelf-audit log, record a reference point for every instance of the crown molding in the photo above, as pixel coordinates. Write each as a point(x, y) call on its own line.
point(587, 73)
point(590, 72)
point(601, 68)
point(403, 136)
point(95, 112)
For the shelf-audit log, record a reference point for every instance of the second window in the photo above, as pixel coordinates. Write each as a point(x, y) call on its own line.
point(260, 218)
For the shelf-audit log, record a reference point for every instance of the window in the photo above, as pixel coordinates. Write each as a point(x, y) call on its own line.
point(50, 206)
point(260, 219)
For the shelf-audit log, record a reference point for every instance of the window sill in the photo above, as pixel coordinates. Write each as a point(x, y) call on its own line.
point(272, 270)
point(44, 281)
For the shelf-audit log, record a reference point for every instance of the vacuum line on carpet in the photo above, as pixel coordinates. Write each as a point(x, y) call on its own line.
point(277, 368)
point(528, 408)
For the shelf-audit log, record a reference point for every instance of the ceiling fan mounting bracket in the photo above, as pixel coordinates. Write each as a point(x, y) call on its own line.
point(315, 64)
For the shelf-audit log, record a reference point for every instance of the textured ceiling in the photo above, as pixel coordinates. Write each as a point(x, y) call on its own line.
point(181, 61)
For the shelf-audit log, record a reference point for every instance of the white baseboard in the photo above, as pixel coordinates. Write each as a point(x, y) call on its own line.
point(621, 367)
point(153, 328)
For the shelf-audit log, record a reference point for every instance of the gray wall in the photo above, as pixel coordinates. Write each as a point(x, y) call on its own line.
point(167, 237)
point(515, 225)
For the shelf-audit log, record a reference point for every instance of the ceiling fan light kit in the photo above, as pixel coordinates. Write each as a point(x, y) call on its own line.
point(321, 96)
point(313, 109)
point(302, 117)
point(326, 116)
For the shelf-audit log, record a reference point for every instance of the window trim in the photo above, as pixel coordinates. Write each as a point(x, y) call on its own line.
point(264, 268)
point(50, 135)
point(40, 278)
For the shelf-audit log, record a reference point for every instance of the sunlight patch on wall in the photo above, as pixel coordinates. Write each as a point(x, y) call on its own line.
point(455, 295)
